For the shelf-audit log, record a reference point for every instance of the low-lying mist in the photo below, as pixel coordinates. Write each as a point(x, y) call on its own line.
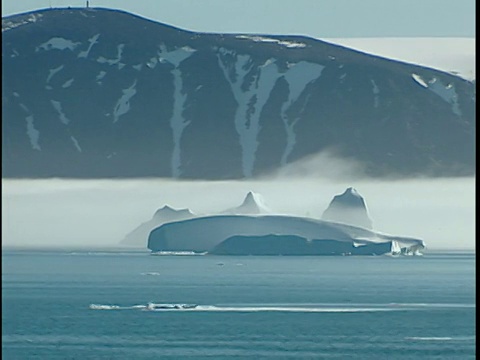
point(99, 213)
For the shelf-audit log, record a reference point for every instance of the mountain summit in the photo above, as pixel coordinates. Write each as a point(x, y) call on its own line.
point(348, 208)
point(101, 93)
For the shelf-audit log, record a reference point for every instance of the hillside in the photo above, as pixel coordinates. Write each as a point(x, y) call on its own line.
point(95, 93)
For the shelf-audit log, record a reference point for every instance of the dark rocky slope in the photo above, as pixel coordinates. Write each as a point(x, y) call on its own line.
point(91, 93)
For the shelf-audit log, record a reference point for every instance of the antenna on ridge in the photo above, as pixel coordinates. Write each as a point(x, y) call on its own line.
point(87, 3)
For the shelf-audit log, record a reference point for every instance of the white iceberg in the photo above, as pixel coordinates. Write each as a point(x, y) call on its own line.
point(253, 203)
point(348, 208)
point(276, 235)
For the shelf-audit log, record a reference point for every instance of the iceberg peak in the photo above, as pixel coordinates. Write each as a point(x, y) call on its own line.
point(166, 214)
point(351, 191)
point(349, 208)
point(169, 211)
point(252, 204)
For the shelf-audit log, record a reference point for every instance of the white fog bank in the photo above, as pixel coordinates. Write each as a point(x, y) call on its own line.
point(453, 55)
point(99, 213)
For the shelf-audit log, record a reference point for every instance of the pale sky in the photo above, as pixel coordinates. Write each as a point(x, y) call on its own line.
point(315, 18)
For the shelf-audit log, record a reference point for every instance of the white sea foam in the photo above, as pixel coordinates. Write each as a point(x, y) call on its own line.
point(433, 338)
point(440, 338)
point(284, 309)
point(212, 308)
point(297, 308)
point(115, 307)
point(434, 305)
point(104, 307)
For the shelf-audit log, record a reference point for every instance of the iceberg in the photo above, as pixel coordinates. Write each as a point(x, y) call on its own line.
point(251, 205)
point(139, 235)
point(349, 208)
point(276, 235)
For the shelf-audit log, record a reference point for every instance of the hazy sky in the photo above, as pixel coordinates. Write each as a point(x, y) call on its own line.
point(316, 18)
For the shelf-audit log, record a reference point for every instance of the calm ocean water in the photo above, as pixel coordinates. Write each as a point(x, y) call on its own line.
point(91, 305)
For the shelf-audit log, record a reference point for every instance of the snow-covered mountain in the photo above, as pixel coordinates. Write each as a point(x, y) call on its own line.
point(275, 235)
point(349, 208)
point(101, 93)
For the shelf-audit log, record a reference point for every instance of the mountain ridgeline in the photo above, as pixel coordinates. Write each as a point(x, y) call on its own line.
point(94, 93)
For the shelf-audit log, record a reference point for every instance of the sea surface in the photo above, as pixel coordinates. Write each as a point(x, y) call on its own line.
point(92, 305)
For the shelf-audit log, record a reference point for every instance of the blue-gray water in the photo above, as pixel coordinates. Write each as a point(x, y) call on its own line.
point(250, 307)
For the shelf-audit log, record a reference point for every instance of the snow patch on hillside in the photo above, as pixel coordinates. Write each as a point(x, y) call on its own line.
point(9, 24)
point(116, 61)
point(177, 122)
point(68, 83)
point(58, 43)
point(376, 91)
point(32, 133)
point(298, 76)
point(419, 80)
point(52, 72)
point(58, 107)
point(75, 143)
point(251, 96)
point(176, 56)
point(92, 41)
point(288, 44)
point(100, 76)
point(447, 93)
point(123, 104)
